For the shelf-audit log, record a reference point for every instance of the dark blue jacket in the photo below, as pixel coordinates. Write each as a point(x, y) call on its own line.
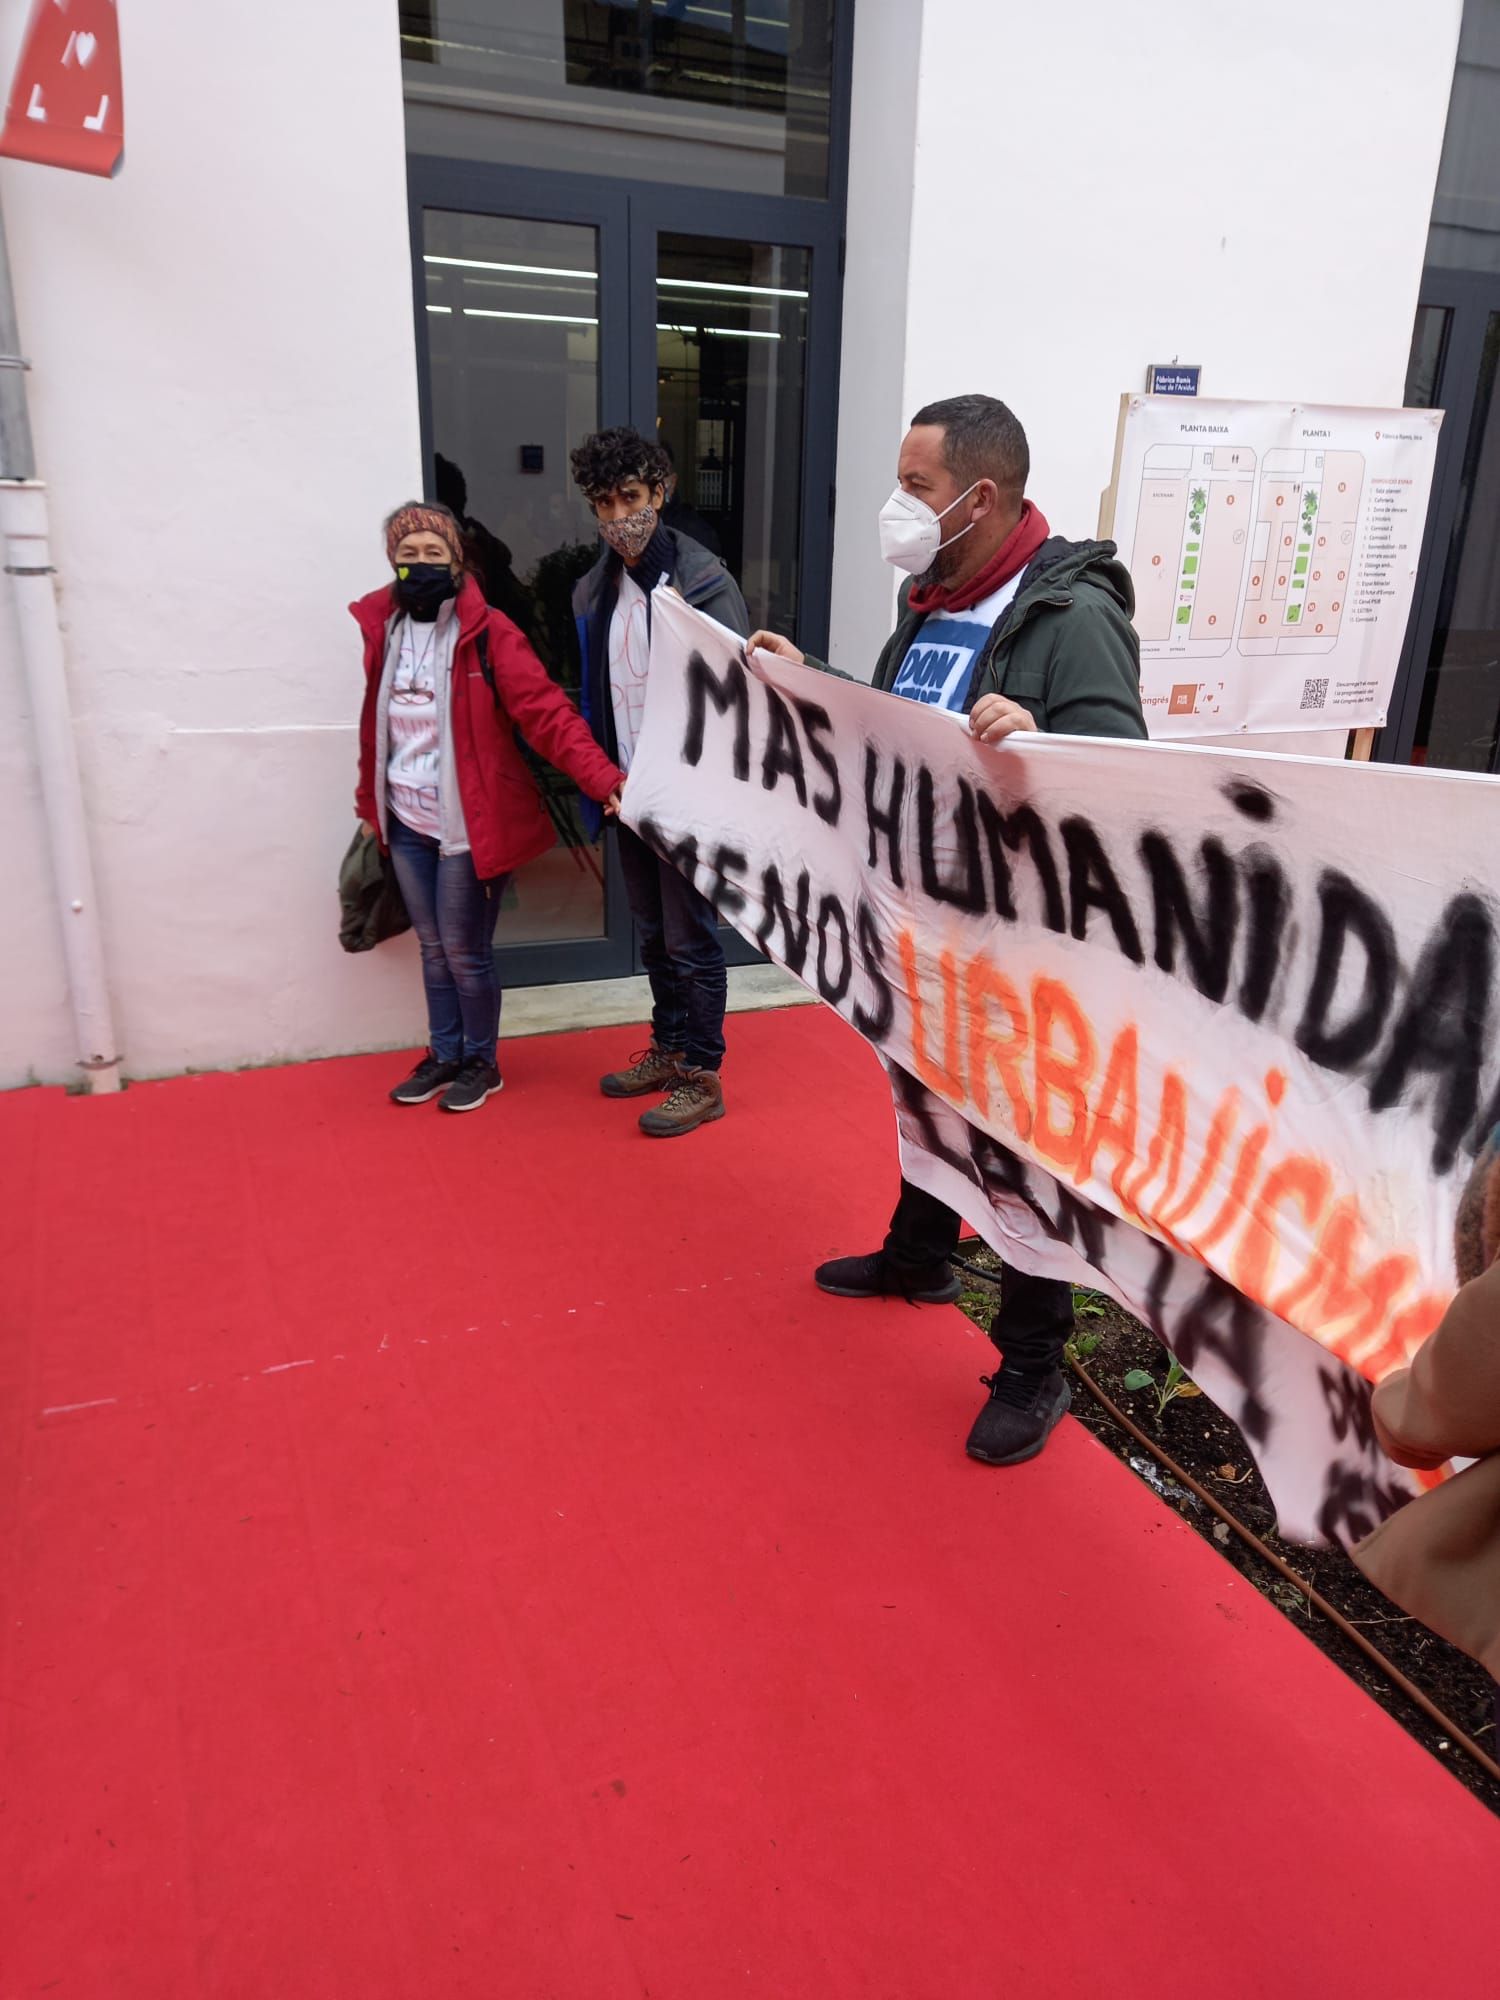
point(695, 574)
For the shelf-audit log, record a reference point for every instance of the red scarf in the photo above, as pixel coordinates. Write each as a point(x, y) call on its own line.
point(1012, 556)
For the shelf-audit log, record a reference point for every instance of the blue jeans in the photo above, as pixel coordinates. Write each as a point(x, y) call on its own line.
point(453, 914)
point(681, 952)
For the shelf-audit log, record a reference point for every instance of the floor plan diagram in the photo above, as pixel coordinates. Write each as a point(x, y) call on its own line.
point(1190, 537)
point(1273, 548)
point(1301, 551)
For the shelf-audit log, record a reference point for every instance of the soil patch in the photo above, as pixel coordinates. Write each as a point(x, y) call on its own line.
point(1196, 1433)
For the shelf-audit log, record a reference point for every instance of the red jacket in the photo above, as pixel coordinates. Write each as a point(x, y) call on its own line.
point(507, 823)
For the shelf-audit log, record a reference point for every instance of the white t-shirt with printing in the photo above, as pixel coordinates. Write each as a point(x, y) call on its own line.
point(412, 732)
point(629, 655)
point(939, 663)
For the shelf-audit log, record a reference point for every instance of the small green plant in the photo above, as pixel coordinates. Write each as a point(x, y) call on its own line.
point(1174, 1384)
point(1290, 1599)
point(1087, 1305)
point(1082, 1345)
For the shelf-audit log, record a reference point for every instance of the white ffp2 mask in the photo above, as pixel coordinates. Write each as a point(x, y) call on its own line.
point(911, 533)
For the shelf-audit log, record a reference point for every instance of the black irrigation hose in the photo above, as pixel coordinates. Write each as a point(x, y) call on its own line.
point(1266, 1554)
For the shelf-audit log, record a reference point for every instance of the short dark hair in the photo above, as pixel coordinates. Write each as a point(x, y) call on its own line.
point(982, 439)
point(611, 459)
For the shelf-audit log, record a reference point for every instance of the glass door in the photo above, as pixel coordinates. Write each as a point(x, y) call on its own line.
point(742, 394)
point(550, 306)
point(731, 375)
point(522, 331)
point(740, 383)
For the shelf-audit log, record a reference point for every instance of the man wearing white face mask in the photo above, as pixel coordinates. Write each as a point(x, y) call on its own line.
point(1018, 629)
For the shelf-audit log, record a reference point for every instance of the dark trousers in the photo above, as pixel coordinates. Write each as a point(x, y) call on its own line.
point(681, 952)
point(453, 914)
point(1035, 1319)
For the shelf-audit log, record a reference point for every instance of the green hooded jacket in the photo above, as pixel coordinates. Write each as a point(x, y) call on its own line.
point(1064, 647)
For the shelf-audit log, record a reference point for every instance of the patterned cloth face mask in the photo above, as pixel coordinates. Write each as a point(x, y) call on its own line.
point(629, 535)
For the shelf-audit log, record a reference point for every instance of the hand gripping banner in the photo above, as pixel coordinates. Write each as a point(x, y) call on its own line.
point(1211, 1030)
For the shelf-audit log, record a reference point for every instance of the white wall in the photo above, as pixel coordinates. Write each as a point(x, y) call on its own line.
point(224, 400)
point(873, 410)
point(1119, 182)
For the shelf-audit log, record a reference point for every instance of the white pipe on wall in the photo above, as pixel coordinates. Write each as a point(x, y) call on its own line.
point(28, 564)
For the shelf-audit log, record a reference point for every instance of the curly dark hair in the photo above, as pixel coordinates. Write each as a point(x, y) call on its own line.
point(610, 459)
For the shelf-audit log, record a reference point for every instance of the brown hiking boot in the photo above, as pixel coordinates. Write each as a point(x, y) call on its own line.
point(697, 1099)
point(652, 1069)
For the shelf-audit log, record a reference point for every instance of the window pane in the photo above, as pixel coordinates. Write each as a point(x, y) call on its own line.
point(731, 358)
point(1460, 711)
point(1465, 233)
point(623, 86)
point(1429, 343)
point(513, 340)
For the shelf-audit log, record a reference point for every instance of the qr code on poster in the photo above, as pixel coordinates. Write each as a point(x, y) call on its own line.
point(1315, 694)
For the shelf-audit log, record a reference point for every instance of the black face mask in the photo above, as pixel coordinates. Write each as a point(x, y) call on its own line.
point(422, 588)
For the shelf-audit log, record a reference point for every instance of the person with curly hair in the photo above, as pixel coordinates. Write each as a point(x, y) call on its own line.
point(625, 477)
point(443, 785)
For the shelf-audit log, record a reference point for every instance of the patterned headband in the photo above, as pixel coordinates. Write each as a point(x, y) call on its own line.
point(417, 520)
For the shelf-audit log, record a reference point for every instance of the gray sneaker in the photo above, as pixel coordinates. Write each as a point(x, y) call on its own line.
point(426, 1080)
point(474, 1083)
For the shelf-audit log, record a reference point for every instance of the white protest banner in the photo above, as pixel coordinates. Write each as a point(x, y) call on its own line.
point(1273, 548)
point(1212, 1030)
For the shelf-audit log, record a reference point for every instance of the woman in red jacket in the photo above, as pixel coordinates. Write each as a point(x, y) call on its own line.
point(443, 785)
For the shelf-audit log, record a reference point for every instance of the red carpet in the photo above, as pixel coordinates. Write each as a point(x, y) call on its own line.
point(466, 1557)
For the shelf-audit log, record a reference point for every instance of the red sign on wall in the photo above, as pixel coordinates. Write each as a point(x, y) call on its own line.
point(66, 105)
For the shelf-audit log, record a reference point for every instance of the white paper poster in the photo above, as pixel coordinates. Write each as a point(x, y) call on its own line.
point(1274, 549)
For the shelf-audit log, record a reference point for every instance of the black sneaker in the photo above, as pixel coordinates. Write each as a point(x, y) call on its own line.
point(426, 1080)
point(875, 1277)
point(1020, 1416)
point(473, 1084)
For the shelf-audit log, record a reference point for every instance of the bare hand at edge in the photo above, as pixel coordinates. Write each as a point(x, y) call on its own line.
point(993, 718)
point(772, 642)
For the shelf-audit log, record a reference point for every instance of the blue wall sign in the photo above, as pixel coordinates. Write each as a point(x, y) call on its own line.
point(1176, 380)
